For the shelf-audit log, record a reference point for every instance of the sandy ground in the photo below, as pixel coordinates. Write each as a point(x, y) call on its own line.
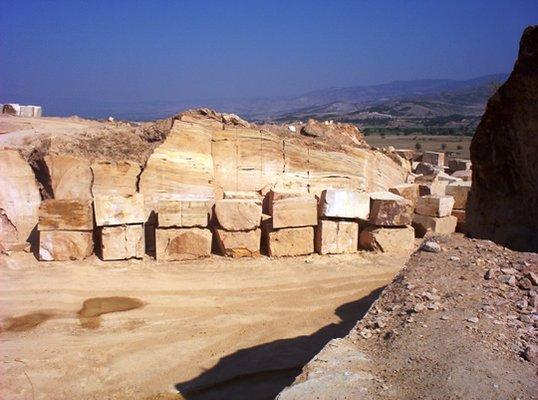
point(216, 328)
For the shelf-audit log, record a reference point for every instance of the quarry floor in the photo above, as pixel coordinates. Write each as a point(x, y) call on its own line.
point(214, 328)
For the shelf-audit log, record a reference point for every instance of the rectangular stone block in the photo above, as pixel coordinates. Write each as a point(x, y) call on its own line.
point(11, 109)
point(466, 175)
point(435, 206)
point(119, 177)
point(441, 226)
point(459, 191)
point(290, 241)
point(238, 214)
point(37, 111)
point(26, 111)
point(118, 210)
point(65, 245)
point(408, 191)
point(434, 158)
point(70, 177)
point(242, 195)
point(336, 237)
point(176, 244)
point(295, 212)
point(435, 187)
point(389, 209)
point(67, 215)
point(387, 239)
point(459, 164)
point(183, 214)
point(339, 203)
point(122, 242)
point(239, 244)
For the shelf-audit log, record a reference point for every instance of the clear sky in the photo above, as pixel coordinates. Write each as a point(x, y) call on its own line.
point(66, 54)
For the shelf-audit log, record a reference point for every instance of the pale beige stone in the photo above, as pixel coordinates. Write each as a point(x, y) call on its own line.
point(118, 210)
point(238, 214)
point(19, 199)
point(389, 240)
point(434, 187)
point(340, 203)
point(67, 215)
point(242, 195)
point(183, 213)
point(460, 191)
point(426, 224)
point(239, 244)
point(176, 244)
point(434, 158)
point(290, 241)
point(65, 245)
point(466, 175)
point(336, 237)
point(122, 242)
point(70, 177)
point(435, 206)
point(295, 212)
point(408, 191)
point(115, 177)
point(389, 209)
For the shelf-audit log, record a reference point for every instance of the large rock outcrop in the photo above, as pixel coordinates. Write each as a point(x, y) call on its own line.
point(503, 203)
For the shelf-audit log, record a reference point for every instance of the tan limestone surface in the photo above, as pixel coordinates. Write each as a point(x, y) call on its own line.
point(336, 237)
point(409, 191)
point(19, 199)
point(389, 209)
point(387, 239)
point(183, 213)
point(119, 177)
point(238, 214)
point(65, 245)
point(116, 209)
point(239, 244)
point(438, 225)
point(460, 192)
point(70, 177)
point(295, 212)
point(435, 206)
point(69, 215)
point(182, 243)
point(122, 242)
point(290, 241)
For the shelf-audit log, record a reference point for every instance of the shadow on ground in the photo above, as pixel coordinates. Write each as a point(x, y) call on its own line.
point(261, 372)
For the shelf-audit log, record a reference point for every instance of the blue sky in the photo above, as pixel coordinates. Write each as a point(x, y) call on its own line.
point(68, 54)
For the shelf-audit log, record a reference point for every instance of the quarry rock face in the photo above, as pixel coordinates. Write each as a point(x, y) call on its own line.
point(503, 203)
point(19, 200)
point(182, 244)
point(70, 177)
point(388, 240)
point(65, 245)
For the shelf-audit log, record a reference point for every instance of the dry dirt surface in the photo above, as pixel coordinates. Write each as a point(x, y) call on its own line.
point(458, 324)
point(213, 329)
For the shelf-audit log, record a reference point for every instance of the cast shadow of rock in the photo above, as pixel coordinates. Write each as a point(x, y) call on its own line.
point(262, 371)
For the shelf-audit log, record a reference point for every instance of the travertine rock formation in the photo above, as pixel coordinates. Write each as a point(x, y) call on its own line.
point(70, 177)
point(503, 204)
point(19, 200)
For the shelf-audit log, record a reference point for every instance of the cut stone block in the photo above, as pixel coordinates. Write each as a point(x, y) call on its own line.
point(26, 111)
point(67, 215)
point(276, 195)
point(389, 209)
point(118, 210)
point(408, 191)
point(242, 195)
point(115, 177)
point(70, 177)
point(239, 244)
point(339, 203)
point(441, 226)
point(466, 175)
point(182, 244)
point(122, 242)
point(426, 169)
point(460, 215)
point(460, 191)
point(37, 111)
point(183, 213)
point(443, 176)
point(238, 214)
point(434, 158)
point(290, 241)
point(407, 154)
point(11, 109)
point(434, 187)
point(295, 212)
point(435, 206)
point(336, 237)
point(19, 200)
point(65, 245)
point(459, 164)
point(389, 240)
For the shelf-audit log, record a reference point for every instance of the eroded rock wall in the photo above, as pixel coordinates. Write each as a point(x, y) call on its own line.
point(503, 204)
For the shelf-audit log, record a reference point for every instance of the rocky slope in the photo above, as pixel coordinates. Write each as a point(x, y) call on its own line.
point(504, 201)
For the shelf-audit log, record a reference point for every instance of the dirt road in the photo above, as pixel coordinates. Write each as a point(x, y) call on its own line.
point(217, 328)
